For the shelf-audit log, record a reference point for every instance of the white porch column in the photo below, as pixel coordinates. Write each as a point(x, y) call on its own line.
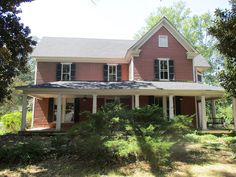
point(136, 101)
point(94, 104)
point(234, 112)
point(24, 112)
point(58, 122)
point(203, 108)
point(63, 109)
point(171, 107)
point(164, 104)
point(213, 104)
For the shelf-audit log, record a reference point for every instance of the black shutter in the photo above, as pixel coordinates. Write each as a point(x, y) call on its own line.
point(178, 104)
point(118, 73)
point(171, 70)
point(105, 72)
point(50, 109)
point(156, 70)
point(58, 72)
point(151, 100)
point(76, 109)
point(72, 72)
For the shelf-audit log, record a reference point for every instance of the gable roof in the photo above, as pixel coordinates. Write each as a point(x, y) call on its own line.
point(167, 24)
point(82, 47)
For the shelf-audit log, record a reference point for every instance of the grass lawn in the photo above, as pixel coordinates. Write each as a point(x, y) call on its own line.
point(195, 155)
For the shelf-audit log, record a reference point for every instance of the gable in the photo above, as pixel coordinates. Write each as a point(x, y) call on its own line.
point(164, 23)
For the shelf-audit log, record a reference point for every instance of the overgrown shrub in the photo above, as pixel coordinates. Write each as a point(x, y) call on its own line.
point(116, 134)
point(12, 121)
point(22, 153)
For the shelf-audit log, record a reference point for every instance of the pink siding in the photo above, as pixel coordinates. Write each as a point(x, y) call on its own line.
point(124, 72)
point(89, 71)
point(46, 72)
point(144, 64)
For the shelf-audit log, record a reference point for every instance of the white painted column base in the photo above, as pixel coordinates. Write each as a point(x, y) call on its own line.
point(59, 109)
point(94, 104)
point(171, 107)
point(203, 108)
point(24, 112)
point(136, 101)
point(164, 105)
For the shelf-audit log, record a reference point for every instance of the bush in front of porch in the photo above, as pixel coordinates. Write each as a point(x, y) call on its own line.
point(116, 134)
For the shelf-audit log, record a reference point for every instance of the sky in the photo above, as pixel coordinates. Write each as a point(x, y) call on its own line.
point(108, 19)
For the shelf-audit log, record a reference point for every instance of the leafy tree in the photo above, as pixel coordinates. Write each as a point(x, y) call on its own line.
point(194, 28)
point(224, 30)
point(15, 45)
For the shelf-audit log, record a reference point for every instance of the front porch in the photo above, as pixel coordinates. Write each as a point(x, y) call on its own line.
point(64, 102)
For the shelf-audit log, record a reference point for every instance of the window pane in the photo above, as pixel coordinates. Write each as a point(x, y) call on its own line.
point(66, 68)
point(165, 75)
point(66, 77)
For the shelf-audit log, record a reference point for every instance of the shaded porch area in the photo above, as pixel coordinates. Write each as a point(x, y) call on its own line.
point(64, 103)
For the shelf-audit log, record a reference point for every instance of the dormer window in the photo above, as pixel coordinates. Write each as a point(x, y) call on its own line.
point(163, 41)
point(65, 72)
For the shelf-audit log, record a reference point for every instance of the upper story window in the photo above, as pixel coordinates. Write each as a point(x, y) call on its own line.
point(199, 77)
point(112, 72)
point(65, 72)
point(164, 69)
point(163, 41)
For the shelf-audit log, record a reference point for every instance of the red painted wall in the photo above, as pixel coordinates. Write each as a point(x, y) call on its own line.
point(41, 113)
point(46, 72)
point(144, 64)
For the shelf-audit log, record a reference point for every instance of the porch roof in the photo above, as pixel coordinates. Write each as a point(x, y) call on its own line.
point(126, 87)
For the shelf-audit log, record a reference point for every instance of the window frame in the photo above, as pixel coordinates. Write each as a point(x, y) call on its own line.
point(200, 74)
point(108, 73)
point(164, 45)
point(160, 70)
point(62, 64)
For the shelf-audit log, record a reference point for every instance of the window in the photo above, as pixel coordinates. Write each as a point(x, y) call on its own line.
point(164, 69)
point(112, 73)
point(163, 41)
point(66, 71)
point(110, 100)
point(199, 77)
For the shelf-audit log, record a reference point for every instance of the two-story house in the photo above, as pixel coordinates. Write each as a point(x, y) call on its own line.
point(74, 75)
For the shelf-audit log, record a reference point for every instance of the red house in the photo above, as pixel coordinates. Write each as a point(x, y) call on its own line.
point(74, 75)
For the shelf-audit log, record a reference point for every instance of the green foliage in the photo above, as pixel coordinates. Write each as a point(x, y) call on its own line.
point(15, 45)
point(22, 153)
point(223, 29)
point(12, 121)
point(116, 134)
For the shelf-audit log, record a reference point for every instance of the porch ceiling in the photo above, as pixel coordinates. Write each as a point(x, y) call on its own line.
point(77, 88)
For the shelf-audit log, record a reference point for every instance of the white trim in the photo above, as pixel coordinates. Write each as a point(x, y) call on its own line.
point(136, 101)
point(196, 111)
point(94, 110)
point(59, 109)
point(62, 64)
point(108, 76)
point(171, 106)
point(164, 103)
point(24, 112)
point(33, 113)
point(168, 75)
point(131, 69)
point(81, 60)
point(203, 108)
